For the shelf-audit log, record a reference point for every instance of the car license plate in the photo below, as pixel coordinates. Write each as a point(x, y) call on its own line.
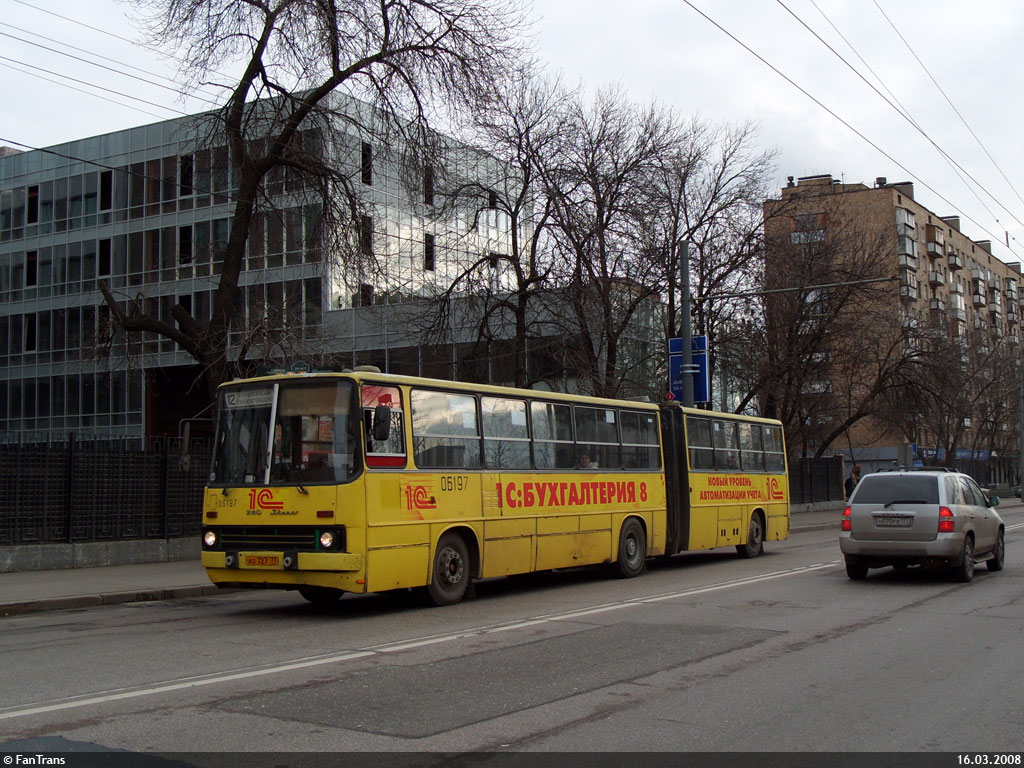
point(262, 561)
point(894, 521)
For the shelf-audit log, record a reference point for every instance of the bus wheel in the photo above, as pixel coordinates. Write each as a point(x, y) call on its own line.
point(755, 538)
point(632, 550)
point(321, 596)
point(451, 574)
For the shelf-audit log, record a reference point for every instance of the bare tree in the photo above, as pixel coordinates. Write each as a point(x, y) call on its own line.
point(401, 66)
point(708, 195)
point(965, 398)
point(833, 348)
point(496, 186)
point(596, 181)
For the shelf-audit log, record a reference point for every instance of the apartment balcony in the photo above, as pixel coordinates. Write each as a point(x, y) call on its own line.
point(997, 331)
point(957, 327)
point(977, 273)
point(937, 304)
point(907, 246)
point(1014, 337)
point(959, 314)
point(935, 241)
point(980, 323)
point(955, 287)
point(1011, 316)
point(908, 262)
point(908, 292)
point(936, 278)
point(954, 260)
point(979, 300)
point(995, 307)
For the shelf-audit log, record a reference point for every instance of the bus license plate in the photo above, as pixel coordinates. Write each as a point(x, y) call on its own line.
point(903, 521)
point(262, 561)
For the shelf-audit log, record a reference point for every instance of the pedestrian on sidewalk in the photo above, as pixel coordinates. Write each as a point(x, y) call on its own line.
point(852, 480)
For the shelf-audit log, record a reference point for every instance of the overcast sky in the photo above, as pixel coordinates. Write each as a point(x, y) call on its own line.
point(665, 50)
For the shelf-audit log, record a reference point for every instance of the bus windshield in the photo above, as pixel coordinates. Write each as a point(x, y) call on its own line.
point(314, 440)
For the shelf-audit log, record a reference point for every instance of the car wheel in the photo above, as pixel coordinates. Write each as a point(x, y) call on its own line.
point(450, 578)
point(998, 554)
point(321, 596)
point(964, 571)
point(857, 571)
point(632, 550)
point(755, 538)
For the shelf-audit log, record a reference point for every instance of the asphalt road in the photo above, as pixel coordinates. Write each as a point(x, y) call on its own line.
point(705, 652)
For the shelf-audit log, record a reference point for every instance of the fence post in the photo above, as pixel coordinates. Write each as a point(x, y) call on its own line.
point(164, 483)
point(69, 487)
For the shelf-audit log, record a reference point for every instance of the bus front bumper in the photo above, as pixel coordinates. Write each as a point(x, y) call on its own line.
point(284, 561)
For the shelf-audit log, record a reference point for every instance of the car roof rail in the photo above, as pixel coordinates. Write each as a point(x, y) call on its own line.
point(918, 469)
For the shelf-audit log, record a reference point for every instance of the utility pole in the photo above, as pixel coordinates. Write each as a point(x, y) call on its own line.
point(1020, 421)
point(686, 334)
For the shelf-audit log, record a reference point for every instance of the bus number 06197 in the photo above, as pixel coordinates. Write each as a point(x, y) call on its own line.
point(454, 482)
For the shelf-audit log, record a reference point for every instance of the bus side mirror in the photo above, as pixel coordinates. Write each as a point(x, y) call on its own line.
point(381, 423)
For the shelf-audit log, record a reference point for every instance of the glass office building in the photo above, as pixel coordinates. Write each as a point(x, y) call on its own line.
point(146, 211)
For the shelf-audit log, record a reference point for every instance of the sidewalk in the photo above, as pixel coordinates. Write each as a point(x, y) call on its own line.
point(31, 591)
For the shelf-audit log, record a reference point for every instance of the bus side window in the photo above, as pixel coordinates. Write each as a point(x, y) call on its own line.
point(506, 440)
point(552, 435)
point(698, 435)
point(752, 450)
point(445, 430)
point(390, 452)
point(775, 456)
point(726, 441)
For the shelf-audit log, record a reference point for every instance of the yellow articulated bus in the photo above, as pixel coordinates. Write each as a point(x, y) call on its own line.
point(329, 483)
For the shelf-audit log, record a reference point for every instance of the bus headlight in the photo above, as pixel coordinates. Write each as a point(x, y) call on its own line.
point(210, 539)
point(327, 539)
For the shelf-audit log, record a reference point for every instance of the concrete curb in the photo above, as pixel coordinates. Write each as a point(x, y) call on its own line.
point(814, 526)
point(108, 598)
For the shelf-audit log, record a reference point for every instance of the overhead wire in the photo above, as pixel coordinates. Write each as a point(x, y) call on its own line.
point(845, 123)
point(948, 101)
point(905, 111)
point(175, 89)
point(905, 114)
point(107, 32)
point(94, 85)
point(81, 90)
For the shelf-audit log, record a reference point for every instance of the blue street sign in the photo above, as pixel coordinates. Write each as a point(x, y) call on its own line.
point(699, 356)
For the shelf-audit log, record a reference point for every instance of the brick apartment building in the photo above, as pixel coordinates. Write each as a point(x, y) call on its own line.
point(946, 292)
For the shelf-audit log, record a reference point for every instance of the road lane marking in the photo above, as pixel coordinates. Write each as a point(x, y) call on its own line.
point(85, 700)
point(178, 686)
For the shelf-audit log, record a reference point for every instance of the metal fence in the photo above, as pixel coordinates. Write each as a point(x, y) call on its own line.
point(99, 489)
point(102, 489)
point(816, 480)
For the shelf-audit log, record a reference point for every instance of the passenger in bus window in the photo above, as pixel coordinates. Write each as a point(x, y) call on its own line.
point(585, 462)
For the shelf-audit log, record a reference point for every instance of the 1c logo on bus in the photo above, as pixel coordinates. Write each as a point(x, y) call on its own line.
point(263, 498)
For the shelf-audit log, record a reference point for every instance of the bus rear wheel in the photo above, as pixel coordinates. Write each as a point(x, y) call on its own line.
point(450, 575)
point(320, 596)
point(755, 538)
point(632, 550)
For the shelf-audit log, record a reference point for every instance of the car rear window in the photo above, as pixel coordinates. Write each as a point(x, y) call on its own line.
point(885, 489)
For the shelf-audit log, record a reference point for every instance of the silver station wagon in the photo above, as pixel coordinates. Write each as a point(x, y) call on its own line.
point(936, 518)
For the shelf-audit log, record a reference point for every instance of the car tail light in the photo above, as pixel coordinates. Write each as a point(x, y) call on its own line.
point(846, 524)
point(946, 522)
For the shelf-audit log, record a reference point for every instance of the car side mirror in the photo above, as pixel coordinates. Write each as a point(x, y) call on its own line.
point(381, 423)
point(994, 501)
